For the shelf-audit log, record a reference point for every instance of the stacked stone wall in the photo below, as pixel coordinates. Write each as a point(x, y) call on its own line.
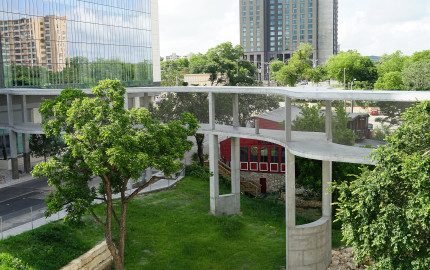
point(274, 181)
point(98, 258)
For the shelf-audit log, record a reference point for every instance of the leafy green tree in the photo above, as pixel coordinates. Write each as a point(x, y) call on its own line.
point(341, 133)
point(389, 71)
point(106, 140)
point(385, 212)
point(172, 76)
point(198, 63)
point(357, 67)
point(177, 103)
point(419, 56)
point(299, 66)
point(275, 66)
point(42, 146)
point(317, 75)
point(416, 75)
point(311, 119)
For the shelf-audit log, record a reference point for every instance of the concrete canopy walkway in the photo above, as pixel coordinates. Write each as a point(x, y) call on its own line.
point(308, 246)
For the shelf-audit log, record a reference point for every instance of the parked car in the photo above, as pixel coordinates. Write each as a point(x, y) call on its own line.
point(374, 112)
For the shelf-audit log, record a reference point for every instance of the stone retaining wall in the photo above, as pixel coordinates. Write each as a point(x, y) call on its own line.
point(98, 258)
point(274, 181)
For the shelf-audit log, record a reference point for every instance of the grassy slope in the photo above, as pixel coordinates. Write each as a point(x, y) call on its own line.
point(171, 230)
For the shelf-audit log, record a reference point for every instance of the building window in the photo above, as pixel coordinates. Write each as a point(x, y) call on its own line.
point(244, 154)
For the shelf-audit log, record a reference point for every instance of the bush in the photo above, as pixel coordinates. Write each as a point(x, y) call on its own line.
point(197, 171)
point(8, 262)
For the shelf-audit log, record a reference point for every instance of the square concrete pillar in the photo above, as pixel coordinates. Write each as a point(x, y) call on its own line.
point(235, 165)
point(144, 101)
point(25, 137)
point(14, 153)
point(287, 119)
point(211, 110)
point(236, 110)
point(328, 121)
point(213, 167)
point(290, 190)
point(326, 180)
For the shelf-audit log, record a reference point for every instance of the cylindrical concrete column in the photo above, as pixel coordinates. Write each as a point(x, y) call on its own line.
point(213, 167)
point(287, 119)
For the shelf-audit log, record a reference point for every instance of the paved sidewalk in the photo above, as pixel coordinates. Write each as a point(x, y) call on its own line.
point(157, 186)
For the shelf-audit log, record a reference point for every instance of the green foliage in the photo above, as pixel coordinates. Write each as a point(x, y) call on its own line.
point(386, 211)
point(299, 66)
point(390, 81)
point(275, 66)
point(106, 140)
point(341, 133)
point(381, 134)
point(196, 170)
point(416, 75)
point(8, 262)
point(357, 67)
point(318, 74)
point(42, 146)
point(311, 119)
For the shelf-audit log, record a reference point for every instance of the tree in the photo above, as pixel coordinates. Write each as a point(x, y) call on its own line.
point(389, 71)
point(356, 67)
point(386, 211)
point(275, 66)
point(108, 141)
point(177, 103)
point(317, 75)
point(42, 146)
point(198, 63)
point(416, 75)
point(341, 133)
point(299, 66)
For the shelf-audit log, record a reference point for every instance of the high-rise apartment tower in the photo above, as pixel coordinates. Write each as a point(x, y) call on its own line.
point(273, 29)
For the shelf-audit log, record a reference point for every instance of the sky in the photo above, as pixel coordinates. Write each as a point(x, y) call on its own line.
point(372, 27)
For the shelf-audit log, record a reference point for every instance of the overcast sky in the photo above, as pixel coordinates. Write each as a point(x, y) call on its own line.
point(373, 27)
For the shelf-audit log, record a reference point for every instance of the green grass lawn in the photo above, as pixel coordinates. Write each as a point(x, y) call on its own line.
point(172, 229)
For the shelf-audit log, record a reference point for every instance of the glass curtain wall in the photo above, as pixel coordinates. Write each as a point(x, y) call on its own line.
point(62, 43)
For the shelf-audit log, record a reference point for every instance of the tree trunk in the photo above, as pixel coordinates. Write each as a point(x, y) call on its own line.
point(122, 231)
point(199, 140)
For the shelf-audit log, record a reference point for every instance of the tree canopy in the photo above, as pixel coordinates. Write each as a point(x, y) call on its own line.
point(356, 67)
point(106, 140)
point(298, 67)
point(385, 212)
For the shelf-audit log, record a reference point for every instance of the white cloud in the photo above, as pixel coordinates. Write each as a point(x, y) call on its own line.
point(373, 27)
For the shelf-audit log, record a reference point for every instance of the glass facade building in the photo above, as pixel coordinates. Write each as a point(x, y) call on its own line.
point(62, 43)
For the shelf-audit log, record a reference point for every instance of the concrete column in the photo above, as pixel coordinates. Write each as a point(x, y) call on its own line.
point(211, 110)
point(236, 110)
point(287, 119)
point(235, 165)
point(328, 121)
point(136, 102)
point(326, 180)
point(144, 101)
point(213, 167)
point(12, 139)
point(148, 174)
point(25, 137)
point(290, 199)
point(290, 190)
point(126, 101)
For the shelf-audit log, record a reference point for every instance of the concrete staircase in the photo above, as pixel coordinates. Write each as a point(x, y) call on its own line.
point(248, 187)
